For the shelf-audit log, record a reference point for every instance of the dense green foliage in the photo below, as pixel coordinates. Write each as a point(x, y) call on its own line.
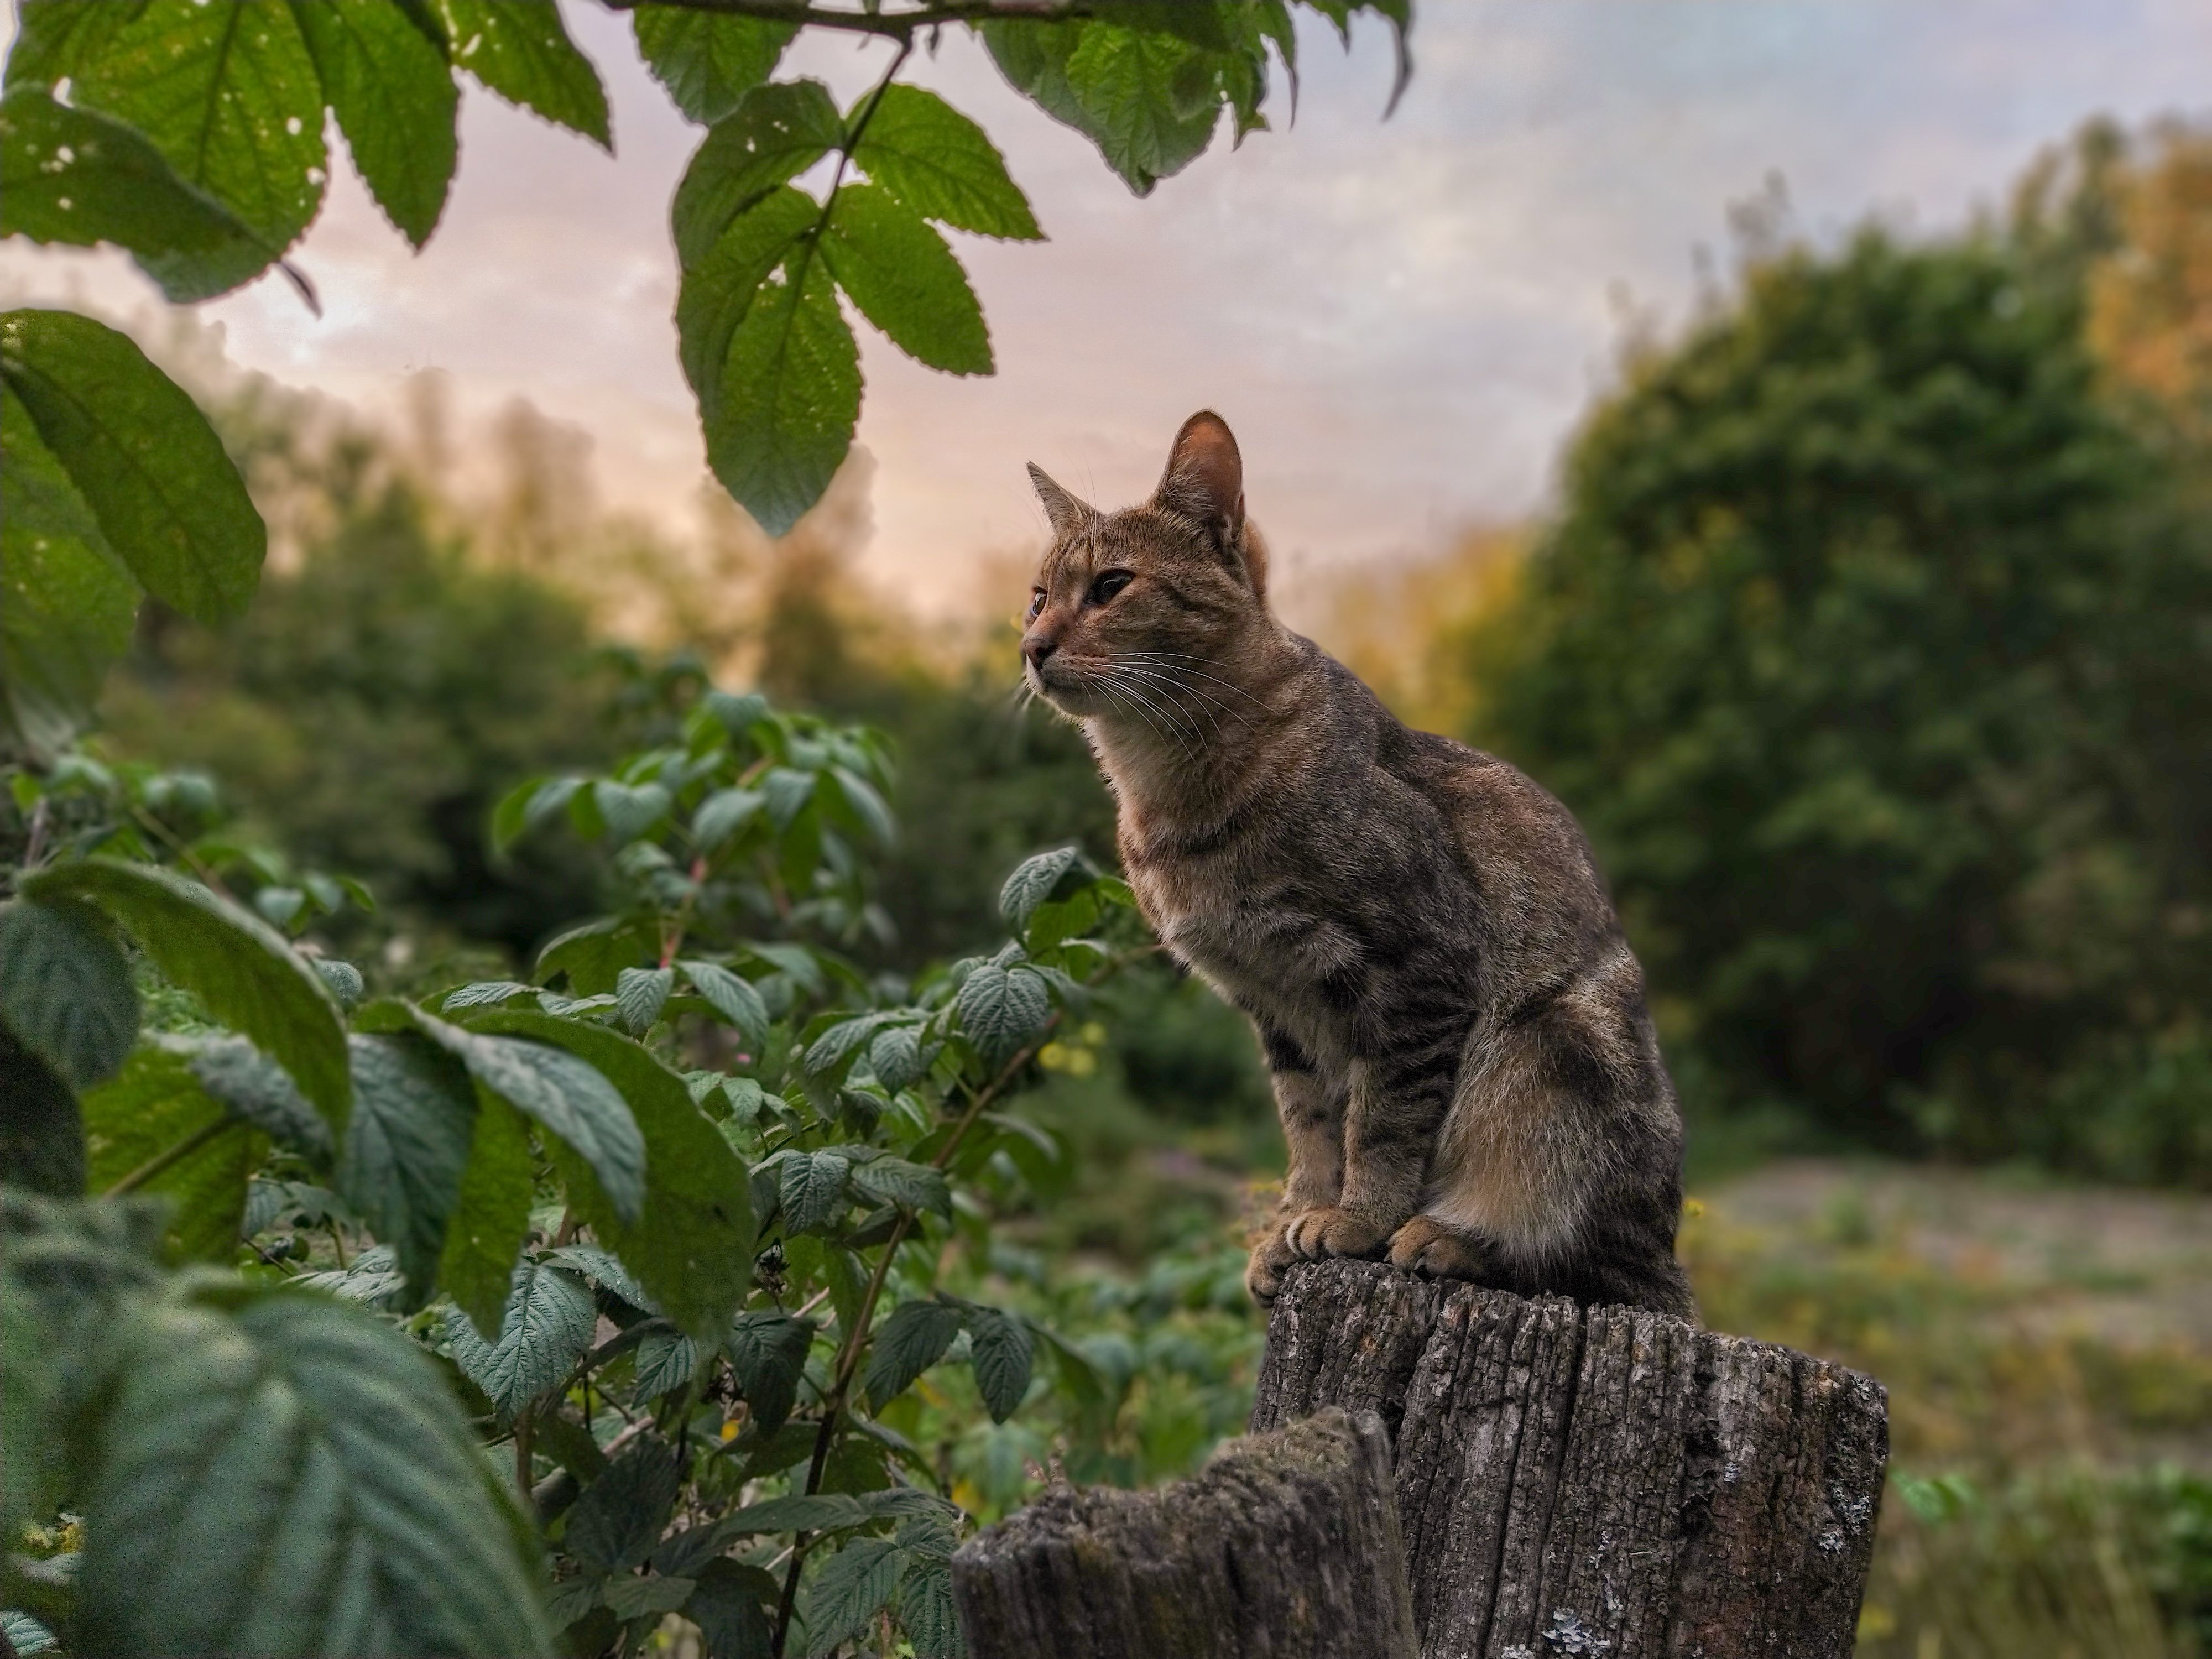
point(1870, 647)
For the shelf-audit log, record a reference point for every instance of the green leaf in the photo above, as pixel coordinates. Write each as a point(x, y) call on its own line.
point(628, 813)
point(528, 805)
point(65, 990)
point(621, 1515)
point(239, 966)
point(227, 91)
point(545, 1328)
point(1042, 876)
point(914, 1186)
point(144, 460)
point(640, 995)
point(999, 1350)
point(519, 49)
point(282, 1474)
point(665, 1360)
point(720, 289)
point(896, 268)
point(906, 1345)
point(41, 1134)
point(692, 1245)
point(840, 1041)
point(849, 1591)
point(929, 1614)
point(722, 814)
point(726, 1608)
point(638, 1598)
point(708, 63)
point(491, 1216)
point(591, 954)
point(607, 1268)
point(810, 1512)
point(868, 810)
point(405, 1150)
point(27, 1388)
point(812, 1188)
point(562, 1092)
point(896, 1057)
point(775, 134)
point(66, 602)
point(1001, 1008)
point(75, 176)
point(254, 1087)
point(787, 397)
point(731, 996)
point(1118, 86)
point(768, 1355)
point(940, 164)
point(395, 102)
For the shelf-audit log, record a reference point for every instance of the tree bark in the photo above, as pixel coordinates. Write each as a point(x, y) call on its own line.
point(1286, 1547)
point(1595, 1481)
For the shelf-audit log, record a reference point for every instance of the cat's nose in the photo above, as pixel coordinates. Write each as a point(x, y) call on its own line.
point(1037, 646)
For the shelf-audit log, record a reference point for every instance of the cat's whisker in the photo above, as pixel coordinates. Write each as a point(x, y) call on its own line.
point(1123, 698)
point(1191, 745)
point(1169, 689)
point(1163, 659)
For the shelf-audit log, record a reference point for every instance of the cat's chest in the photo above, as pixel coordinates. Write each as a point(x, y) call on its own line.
point(1242, 918)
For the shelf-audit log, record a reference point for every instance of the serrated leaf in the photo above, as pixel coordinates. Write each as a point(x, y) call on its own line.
point(66, 602)
point(867, 807)
point(405, 1150)
point(372, 1279)
point(665, 1361)
point(228, 93)
point(895, 265)
point(914, 1186)
point(1000, 1351)
point(77, 177)
point(395, 102)
point(766, 1353)
point(620, 1516)
point(490, 1217)
point(519, 49)
point(908, 1343)
point(240, 968)
point(561, 1091)
point(483, 994)
point(692, 1246)
point(896, 1057)
point(848, 1592)
point(257, 1089)
point(545, 1328)
point(731, 996)
point(812, 1187)
point(840, 1041)
point(786, 392)
point(826, 1511)
point(1001, 1008)
point(775, 134)
point(157, 1108)
point(628, 813)
point(940, 164)
point(373, 1525)
point(1036, 879)
point(929, 1614)
point(604, 1266)
point(526, 807)
point(726, 1608)
point(641, 1598)
point(640, 995)
point(590, 954)
point(722, 814)
point(65, 990)
point(707, 63)
point(145, 461)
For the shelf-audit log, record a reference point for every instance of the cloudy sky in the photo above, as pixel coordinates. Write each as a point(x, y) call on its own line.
point(1401, 318)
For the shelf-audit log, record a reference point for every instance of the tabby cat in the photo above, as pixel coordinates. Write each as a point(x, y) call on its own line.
point(1466, 1074)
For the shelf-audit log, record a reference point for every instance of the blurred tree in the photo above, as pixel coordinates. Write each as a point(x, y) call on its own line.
point(373, 704)
point(2150, 315)
point(1870, 647)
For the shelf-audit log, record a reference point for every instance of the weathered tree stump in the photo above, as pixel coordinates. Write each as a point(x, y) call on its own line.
point(1286, 1547)
point(1603, 1480)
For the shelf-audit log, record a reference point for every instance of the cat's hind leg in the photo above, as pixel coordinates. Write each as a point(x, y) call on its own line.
point(1436, 1249)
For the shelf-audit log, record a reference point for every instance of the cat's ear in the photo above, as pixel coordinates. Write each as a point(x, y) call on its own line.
point(1205, 479)
point(1068, 514)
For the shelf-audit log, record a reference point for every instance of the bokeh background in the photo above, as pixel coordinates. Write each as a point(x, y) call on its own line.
point(1781, 427)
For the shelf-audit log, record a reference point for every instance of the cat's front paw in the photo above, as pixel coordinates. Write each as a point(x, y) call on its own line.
point(1263, 1273)
point(1430, 1247)
point(1328, 1232)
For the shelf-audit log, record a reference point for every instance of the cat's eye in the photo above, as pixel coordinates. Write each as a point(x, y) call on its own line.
point(1036, 603)
point(1108, 586)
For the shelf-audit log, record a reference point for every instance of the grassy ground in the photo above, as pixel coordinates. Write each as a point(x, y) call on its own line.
point(2048, 1352)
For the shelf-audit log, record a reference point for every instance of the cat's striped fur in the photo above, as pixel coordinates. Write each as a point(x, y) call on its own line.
point(1466, 1074)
